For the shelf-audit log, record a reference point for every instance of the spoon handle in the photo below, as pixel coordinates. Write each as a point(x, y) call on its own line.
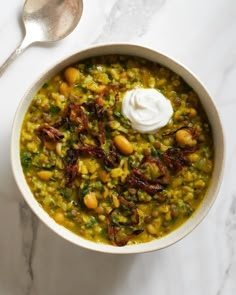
point(23, 45)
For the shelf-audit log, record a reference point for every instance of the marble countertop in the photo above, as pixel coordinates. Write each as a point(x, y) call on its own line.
point(34, 260)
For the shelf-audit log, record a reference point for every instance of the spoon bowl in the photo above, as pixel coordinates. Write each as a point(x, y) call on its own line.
point(49, 21)
point(46, 21)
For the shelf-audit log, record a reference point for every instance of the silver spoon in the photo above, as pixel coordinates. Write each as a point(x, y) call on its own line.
point(46, 21)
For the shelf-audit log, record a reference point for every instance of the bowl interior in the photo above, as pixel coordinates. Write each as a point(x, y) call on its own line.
point(213, 117)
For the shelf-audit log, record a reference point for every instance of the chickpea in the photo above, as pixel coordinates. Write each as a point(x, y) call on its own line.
point(104, 176)
point(199, 183)
point(179, 116)
point(71, 75)
point(164, 208)
point(96, 88)
point(168, 141)
point(163, 148)
point(58, 148)
point(184, 138)
point(192, 112)
point(151, 229)
point(114, 124)
point(116, 172)
point(188, 197)
point(102, 217)
point(177, 182)
point(206, 165)
point(45, 175)
point(123, 145)
point(64, 88)
point(59, 217)
point(193, 157)
point(69, 223)
point(90, 201)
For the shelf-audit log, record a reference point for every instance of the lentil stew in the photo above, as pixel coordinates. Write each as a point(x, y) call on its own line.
point(97, 176)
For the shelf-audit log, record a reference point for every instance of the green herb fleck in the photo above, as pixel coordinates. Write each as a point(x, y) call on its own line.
point(54, 109)
point(88, 68)
point(91, 222)
point(104, 234)
point(45, 85)
point(189, 212)
point(83, 89)
point(67, 194)
point(26, 159)
point(85, 189)
point(117, 114)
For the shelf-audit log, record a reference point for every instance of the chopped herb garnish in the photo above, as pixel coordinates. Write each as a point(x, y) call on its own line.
point(88, 68)
point(85, 90)
point(91, 222)
point(66, 193)
point(83, 192)
point(26, 159)
point(117, 114)
point(54, 109)
point(45, 85)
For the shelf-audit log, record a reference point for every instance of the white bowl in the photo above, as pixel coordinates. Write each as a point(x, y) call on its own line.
point(213, 116)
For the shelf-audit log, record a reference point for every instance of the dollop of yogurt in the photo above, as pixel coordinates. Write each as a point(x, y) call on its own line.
point(147, 109)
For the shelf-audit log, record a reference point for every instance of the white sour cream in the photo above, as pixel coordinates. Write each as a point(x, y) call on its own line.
point(147, 109)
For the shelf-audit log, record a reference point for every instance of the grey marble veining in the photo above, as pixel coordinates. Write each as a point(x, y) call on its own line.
point(34, 260)
point(230, 270)
point(29, 227)
point(128, 20)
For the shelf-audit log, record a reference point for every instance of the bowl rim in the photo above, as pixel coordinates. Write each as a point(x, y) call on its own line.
point(157, 244)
